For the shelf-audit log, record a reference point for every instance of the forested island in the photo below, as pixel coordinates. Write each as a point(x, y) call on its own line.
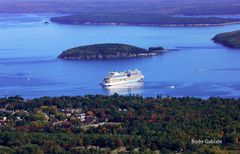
point(229, 39)
point(105, 124)
point(142, 19)
point(108, 51)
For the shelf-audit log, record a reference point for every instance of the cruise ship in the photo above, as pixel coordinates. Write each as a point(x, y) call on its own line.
point(120, 78)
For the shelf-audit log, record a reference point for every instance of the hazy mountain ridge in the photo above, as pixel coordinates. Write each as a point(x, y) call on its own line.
point(164, 7)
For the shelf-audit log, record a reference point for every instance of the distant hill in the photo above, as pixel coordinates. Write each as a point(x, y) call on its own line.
point(229, 39)
point(160, 7)
point(108, 51)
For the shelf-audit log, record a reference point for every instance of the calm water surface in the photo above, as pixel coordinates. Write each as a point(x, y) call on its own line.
point(29, 67)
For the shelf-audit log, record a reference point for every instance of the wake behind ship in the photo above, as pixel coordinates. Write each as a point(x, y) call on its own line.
point(121, 78)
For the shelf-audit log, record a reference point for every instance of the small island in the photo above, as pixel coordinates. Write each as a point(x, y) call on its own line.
point(108, 51)
point(229, 39)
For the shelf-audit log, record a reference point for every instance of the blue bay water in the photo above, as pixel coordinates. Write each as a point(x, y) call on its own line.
point(29, 66)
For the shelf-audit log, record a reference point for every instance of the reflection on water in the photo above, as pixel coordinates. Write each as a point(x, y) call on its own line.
point(130, 88)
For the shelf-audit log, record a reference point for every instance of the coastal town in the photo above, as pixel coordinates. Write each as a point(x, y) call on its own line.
point(55, 117)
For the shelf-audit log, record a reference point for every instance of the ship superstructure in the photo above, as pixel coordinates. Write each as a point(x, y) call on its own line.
point(119, 78)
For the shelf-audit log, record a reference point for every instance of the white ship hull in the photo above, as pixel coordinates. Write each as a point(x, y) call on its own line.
point(123, 82)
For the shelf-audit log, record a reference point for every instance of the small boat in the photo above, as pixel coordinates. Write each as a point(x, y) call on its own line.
point(46, 22)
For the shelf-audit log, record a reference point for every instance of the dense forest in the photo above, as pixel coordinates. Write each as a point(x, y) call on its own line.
point(103, 124)
point(108, 51)
point(229, 39)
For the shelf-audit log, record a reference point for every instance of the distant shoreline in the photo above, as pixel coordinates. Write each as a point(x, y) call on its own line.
point(143, 20)
point(179, 21)
point(156, 25)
